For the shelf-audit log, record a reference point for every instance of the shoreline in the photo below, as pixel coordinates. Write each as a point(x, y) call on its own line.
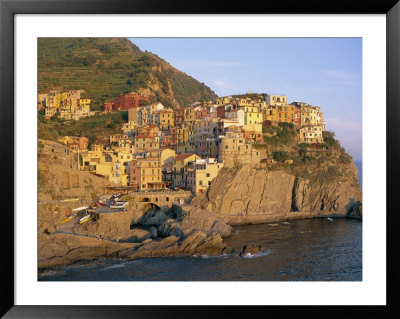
point(105, 249)
point(237, 220)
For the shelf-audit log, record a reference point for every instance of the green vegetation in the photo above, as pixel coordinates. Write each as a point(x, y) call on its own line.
point(280, 156)
point(251, 95)
point(329, 138)
point(108, 67)
point(285, 135)
point(91, 127)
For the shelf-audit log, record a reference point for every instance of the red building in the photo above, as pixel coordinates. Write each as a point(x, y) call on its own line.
point(167, 141)
point(253, 137)
point(126, 101)
point(202, 113)
point(179, 116)
point(297, 116)
point(221, 111)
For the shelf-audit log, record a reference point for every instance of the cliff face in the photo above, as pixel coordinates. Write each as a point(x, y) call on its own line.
point(260, 194)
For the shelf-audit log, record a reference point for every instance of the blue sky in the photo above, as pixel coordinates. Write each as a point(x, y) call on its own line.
point(326, 72)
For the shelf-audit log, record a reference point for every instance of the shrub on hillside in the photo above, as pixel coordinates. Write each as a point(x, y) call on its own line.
point(280, 156)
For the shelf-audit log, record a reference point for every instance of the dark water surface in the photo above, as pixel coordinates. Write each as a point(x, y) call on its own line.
point(305, 250)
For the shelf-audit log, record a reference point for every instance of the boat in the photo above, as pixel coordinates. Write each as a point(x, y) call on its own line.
point(273, 225)
point(70, 200)
point(121, 203)
point(86, 218)
point(99, 204)
point(285, 223)
point(330, 219)
point(80, 208)
point(64, 220)
point(117, 206)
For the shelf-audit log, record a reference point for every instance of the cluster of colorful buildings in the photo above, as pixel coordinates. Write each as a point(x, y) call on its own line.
point(160, 147)
point(67, 105)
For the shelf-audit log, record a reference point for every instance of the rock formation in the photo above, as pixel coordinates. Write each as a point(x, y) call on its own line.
point(260, 194)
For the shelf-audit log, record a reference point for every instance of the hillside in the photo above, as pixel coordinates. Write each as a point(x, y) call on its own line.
point(102, 125)
point(107, 67)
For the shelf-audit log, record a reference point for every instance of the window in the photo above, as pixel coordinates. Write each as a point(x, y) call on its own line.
point(226, 147)
point(208, 174)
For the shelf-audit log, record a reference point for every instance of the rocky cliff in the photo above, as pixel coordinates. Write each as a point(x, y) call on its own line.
point(253, 194)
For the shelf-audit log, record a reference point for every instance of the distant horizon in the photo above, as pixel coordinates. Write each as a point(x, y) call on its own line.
point(325, 72)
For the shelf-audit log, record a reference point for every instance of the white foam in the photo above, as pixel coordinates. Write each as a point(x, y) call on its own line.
point(263, 253)
point(121, 265)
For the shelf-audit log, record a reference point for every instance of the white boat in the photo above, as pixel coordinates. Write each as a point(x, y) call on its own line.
point(330, 219)
point(285, 223)
point(273, 225)
point(86, 218)
point(80, 208)
point(121, 203)
point(117, 206)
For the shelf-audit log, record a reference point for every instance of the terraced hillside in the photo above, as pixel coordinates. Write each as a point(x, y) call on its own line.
point(107, 67)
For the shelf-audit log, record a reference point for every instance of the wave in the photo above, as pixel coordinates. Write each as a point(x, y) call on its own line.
point(121, 265)
point(212, 256)
point(260, 254)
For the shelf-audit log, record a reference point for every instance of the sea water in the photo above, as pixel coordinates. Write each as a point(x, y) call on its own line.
point(304, 250)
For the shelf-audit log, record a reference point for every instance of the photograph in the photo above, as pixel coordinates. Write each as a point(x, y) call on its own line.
point(174, 159)
point(200, 159)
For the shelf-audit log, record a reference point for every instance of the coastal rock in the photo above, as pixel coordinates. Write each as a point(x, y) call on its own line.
point(354, 209)
point(160, 248)
point(63, 249)
point(153, 232)
point(138, 235)
point(154, 217)
point(249, 194)
point(251, 249)
point(170, 228)
point(197, 218)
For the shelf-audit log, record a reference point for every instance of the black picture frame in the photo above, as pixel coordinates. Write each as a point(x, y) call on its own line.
point(8, 10)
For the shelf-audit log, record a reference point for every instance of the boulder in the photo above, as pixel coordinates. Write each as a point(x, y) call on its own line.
point(197, 218)
point(251, 249)
point(154, 217)
point(170, 228)
point(138, 235)
point(153, 232)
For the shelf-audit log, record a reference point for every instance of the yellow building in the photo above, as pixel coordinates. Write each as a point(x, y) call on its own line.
point(53, 99)
point(118, 137)
point(200, 173)
point(184, 138)
point(224, 100)
point(252, 115)
point(190, 115)
point(146, 142)
point(276, 100)
point(180, 163)
point(145, 173)
point(270, 113)
point(311, 134)
point(286, 113)
point(164, 118)
point(84, 102)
